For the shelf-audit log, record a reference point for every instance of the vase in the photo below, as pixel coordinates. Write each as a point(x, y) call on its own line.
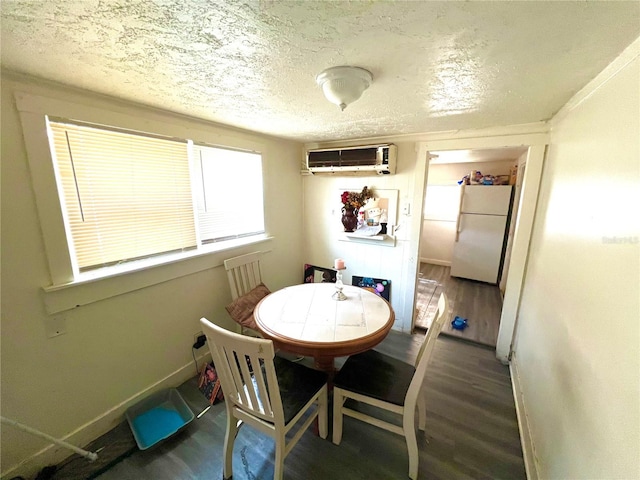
point(349, 219)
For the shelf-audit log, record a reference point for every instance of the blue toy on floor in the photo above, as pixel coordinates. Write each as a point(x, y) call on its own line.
point(459, 323)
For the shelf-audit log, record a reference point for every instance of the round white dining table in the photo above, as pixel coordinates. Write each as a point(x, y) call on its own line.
point(306, 320)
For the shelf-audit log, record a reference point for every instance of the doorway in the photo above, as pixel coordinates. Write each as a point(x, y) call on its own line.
point(475, 304)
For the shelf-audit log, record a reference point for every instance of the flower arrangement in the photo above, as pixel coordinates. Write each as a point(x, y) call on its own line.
point(355, 200)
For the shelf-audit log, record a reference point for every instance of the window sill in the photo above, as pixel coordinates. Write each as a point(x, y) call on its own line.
point(110, 282)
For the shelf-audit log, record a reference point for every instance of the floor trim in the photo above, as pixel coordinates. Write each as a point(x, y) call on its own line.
point(528, 448)
point(435, 261)
point(83, 435)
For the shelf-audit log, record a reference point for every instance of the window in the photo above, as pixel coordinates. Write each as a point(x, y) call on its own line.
point(127, 196)
point(168, 237)
point(226, 208)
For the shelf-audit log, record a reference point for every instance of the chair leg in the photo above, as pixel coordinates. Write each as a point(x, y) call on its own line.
point(229, 438)
point(338, 400)
point(422, 411)
point(278, 472)
point(408, 419)
point(323, 413)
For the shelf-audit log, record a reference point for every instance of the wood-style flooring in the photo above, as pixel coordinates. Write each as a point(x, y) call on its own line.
point(472, 433)
point(480, 303)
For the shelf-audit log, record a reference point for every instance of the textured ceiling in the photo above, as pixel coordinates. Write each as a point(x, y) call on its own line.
point(436, 65)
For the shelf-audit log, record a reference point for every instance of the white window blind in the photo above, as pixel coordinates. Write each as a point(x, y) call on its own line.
point(126, 196)
point(230, 200)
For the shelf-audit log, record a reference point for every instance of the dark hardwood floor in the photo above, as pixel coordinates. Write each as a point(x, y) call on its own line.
point(472, 432)
point(480, 303)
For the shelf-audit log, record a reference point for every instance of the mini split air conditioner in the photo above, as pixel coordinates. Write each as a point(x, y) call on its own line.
point(364, 160)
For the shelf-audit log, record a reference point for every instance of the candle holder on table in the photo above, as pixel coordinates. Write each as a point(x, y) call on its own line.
point(338, 294)
point(339, 265)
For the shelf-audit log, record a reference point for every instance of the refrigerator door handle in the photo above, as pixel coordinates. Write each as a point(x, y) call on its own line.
point(459, 219)
point(458, 227)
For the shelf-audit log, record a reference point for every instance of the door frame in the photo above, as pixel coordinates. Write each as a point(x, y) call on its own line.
point(537, 143)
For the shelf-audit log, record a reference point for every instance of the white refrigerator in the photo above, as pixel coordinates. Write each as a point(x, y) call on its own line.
point(480, 232)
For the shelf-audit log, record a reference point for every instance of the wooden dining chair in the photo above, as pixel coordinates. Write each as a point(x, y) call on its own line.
point(387, 383)
point(244, 273)
point(269, 393)
point(247, 289)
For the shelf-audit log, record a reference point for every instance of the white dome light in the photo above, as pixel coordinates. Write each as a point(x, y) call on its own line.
point(344, 85)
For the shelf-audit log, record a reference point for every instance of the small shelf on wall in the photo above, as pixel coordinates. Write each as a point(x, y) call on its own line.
point(383, 240)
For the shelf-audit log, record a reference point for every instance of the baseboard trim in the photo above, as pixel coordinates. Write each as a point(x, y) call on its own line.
point(435, 261)
point(85, 434)
point(528, 449)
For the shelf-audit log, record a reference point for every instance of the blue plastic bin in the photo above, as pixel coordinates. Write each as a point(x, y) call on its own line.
point(157, 417)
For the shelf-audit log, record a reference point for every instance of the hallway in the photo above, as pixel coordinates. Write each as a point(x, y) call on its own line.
point(480, 303)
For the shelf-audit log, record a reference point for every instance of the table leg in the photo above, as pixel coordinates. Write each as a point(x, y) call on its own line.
point(325, 364)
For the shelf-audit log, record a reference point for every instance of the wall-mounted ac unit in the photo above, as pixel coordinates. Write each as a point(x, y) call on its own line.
point(364, 160)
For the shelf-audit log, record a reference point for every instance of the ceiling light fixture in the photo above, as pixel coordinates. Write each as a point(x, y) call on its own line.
point(344, 85)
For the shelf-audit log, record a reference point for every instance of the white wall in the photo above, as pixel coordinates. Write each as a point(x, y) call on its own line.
point(79, 384)
point(577, 341)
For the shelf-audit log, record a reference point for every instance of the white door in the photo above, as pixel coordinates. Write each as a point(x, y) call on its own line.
point(477, 252)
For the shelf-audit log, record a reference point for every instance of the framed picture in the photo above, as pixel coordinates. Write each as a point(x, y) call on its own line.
point(386, 202)
point(209, 384)
point(314, 274)
point(379, 286)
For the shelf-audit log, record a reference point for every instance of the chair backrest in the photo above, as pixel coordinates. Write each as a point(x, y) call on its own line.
point(247, 374)
point(427, 348)
point(244, 273)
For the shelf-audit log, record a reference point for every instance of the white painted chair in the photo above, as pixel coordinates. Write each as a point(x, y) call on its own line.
point(387, 383)
point(244, 274)
point(267, 392)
